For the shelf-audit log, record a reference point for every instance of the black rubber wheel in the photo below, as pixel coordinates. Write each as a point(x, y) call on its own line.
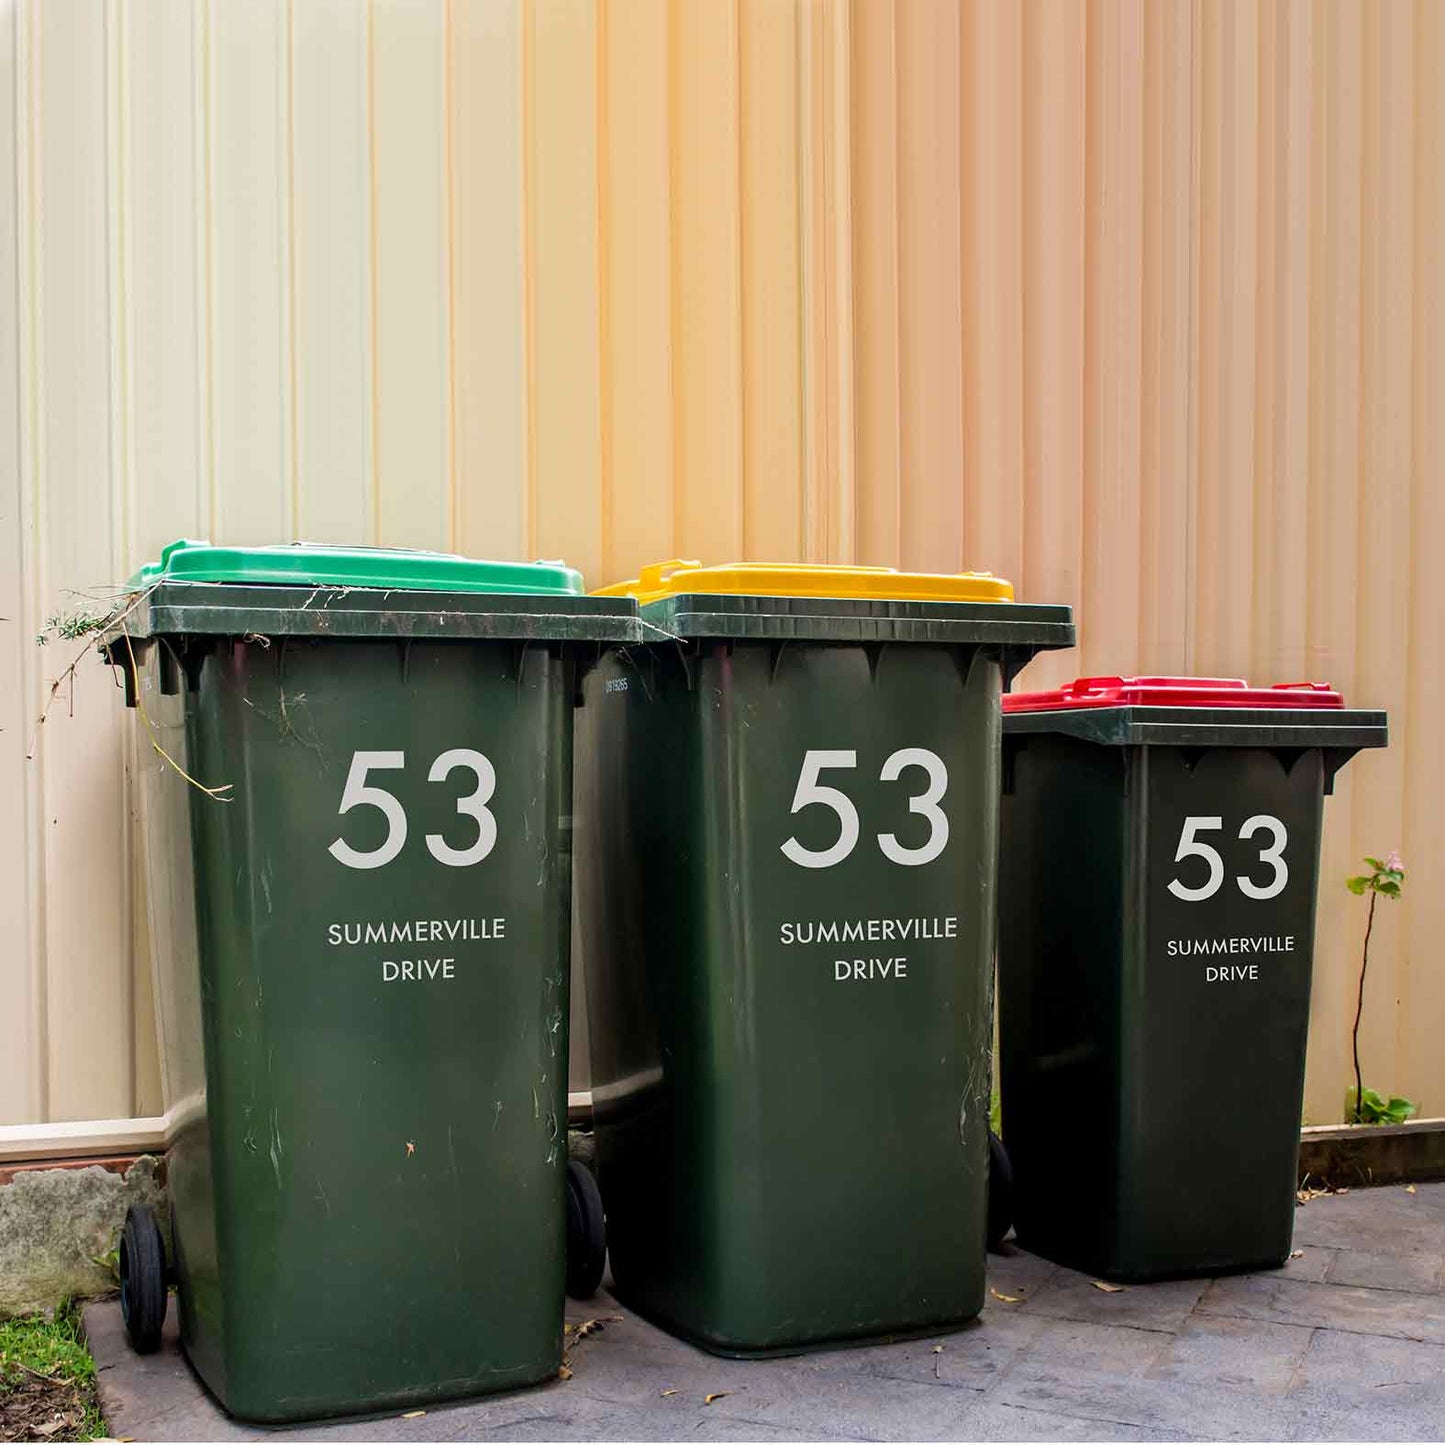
point(142, 1279)
point(586, 1232)
point(1000, 1192)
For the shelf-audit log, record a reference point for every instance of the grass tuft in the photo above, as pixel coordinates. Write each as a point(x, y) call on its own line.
point(47, 1379)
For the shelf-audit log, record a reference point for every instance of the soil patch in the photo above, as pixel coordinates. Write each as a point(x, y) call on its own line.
point(33, 1407)
point(47, 1379)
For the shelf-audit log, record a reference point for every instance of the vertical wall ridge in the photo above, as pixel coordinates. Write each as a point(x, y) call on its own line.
point(1137, 304)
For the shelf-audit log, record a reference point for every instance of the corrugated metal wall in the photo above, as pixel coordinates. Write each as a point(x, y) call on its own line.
point(1139, 305)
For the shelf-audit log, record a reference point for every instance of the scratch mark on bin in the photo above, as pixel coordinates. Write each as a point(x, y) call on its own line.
point(321, 1195)
point(451, 1149)
point(276, 1150)
point(497, 1116)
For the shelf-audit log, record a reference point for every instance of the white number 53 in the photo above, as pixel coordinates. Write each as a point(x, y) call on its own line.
point(473, 805)
point(810, 790)
point(1192, 846)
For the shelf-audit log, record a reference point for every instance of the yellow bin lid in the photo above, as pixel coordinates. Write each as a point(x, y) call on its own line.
point(805, 579)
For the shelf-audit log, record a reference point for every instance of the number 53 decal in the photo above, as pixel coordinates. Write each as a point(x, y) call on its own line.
point(1192, 846)
point(810, 790)
point(358, 792)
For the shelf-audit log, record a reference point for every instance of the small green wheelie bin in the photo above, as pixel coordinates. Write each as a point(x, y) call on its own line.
point(1159, 850)
point(787, 806)
point(357, 815)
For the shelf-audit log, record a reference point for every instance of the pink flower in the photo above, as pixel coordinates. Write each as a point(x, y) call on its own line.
point(1393, 863)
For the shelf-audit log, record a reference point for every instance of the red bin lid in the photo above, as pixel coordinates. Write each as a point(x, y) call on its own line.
point(1173, 692)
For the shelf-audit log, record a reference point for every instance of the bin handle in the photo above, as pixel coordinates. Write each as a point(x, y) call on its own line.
point(655, 574)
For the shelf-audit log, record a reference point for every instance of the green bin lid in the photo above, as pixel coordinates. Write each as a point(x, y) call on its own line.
point(309, 564)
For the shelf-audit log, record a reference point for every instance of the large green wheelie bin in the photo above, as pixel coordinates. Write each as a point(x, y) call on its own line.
point(357, 815)
point(1160, 844)
point(787, 807)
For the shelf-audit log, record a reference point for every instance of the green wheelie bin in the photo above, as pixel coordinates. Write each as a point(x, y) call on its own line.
point(787, 807)
point(357, 815)
point(1159, 850)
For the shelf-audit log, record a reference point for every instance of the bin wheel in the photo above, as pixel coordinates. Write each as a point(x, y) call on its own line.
point(586, 1232)
point(142, 1279)
point(1000, 1192)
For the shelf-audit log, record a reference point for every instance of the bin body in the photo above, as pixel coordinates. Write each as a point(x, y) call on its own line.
point(1154, 999)
point(790, 1060)
point(363, 1012)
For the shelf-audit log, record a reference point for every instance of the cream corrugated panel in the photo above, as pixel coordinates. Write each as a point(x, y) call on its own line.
point(1140, 305)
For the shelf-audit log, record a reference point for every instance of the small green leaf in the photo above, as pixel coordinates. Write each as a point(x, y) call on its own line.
point(1376, 864)
point(1401, 1106)
point(1390, 890)
point(1357, 885)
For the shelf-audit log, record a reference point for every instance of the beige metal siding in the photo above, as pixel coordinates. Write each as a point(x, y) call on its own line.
point(1141, 305)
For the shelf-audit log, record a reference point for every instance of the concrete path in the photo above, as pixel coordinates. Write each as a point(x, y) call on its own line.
point(1346, 1342)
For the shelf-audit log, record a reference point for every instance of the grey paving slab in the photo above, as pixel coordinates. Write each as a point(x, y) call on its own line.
point(1163, 1306)
point(1353, 1361)
point(1375, 1269)
point(997, 1421)
point(1389, 1220)
point(1015, 1272)
point(1238, 1353)
point(1342, 1307)
point(1346, 1341)
point(1307, 1263)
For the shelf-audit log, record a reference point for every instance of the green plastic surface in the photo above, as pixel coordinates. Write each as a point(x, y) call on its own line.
point(363, 990)
point(303, 564)
point(1152, 1040)
point(790, 1157)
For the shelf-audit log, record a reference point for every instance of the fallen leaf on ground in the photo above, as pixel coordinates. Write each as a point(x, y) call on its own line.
point(1296, 1254)
point(564, 1373)
point(666, 1393)
point(1108, 1288)
point(591, 1327)
point(1342, 1191)
point(1008, 1299)
point(1409, 1189)
point(413, 1414)
point(708, 1399)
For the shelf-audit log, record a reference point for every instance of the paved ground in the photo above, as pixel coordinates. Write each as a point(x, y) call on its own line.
point(1346, 1342)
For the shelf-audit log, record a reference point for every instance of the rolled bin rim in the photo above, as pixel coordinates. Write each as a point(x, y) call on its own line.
point(1196, 712)
point(849, 619)
point(219, 609)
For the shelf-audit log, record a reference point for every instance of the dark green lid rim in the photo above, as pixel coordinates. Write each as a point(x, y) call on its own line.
point(269, 610)
point(859, 619)
point(1208, 727)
